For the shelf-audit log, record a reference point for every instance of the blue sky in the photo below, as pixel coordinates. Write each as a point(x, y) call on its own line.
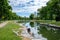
point(26, 7)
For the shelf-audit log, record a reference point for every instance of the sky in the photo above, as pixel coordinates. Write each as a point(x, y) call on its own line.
point(26, 7)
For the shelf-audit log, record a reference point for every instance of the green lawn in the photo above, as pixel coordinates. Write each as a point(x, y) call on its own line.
point(6, 32)
point(50, 22)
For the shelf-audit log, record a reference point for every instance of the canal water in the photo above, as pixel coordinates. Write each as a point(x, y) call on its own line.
point(43, 32)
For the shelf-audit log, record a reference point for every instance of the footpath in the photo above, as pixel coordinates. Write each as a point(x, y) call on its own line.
point(3, 24)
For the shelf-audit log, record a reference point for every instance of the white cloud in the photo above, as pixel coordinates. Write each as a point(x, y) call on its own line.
point(26, 9)
point(27, 5)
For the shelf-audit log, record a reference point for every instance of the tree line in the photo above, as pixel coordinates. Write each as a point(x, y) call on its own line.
point(6, 11)
point(51, 11)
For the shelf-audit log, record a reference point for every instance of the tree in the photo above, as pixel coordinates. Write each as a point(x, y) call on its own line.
point(32, 16)
point(6, 11)
point(4, 8)
point(51, 11)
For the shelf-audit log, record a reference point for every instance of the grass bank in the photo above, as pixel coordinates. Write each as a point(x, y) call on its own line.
point(6, 32)
point(50, 22)
point(1, 22)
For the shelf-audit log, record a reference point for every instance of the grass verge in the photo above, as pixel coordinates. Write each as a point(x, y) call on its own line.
point(6, 32)
point(50, 22)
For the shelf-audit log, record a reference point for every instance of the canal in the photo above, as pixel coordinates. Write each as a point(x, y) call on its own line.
point(43, 32)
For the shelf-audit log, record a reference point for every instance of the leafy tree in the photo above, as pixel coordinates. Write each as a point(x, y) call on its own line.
point(51, 11)
point(32, 16)
point(6, 11)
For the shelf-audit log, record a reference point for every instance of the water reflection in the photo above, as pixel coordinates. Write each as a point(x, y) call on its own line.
point(34, 29)
point(51, 34)
point(32, 24)
point(43, 32)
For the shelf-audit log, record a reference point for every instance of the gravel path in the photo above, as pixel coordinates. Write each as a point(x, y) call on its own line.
point(3, 24)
